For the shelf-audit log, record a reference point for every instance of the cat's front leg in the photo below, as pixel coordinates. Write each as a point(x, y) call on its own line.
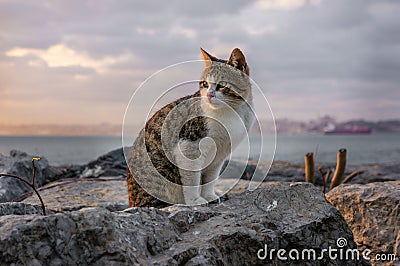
point(209, 178)
point(189, 162)
point(191, 188)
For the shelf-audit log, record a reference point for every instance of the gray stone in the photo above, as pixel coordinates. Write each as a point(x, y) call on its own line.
point(113, 164)
point(76, 193)
point(373, 213)
point(110, 193)
point(110, 164)
point(20, 164)
point(93, 236)
point(19, 208)
point(280, 215)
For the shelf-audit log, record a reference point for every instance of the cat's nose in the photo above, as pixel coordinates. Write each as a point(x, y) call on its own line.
point(210, 94)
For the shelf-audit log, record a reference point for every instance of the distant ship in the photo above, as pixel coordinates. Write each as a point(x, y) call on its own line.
point(332, 130)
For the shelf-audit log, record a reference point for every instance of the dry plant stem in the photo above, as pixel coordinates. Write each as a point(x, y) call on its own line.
point(323, 179)
point(33, 173)
point(350, 177)
point(340, 167)
point(327, 176)
point(32, 184)
point(309, 165)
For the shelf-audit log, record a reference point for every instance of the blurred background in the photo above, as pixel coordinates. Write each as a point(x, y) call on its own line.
point(69, 68)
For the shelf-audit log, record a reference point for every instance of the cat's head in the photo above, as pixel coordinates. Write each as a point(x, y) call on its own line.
point(225, 81)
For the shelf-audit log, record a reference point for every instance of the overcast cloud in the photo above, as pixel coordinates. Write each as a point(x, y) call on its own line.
point(77, 62)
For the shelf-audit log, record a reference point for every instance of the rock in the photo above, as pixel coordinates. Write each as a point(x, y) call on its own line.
point(18, 208)
point(234, 186)
point(92, 236)
point(278, 171)
point(111, 164)
point(377, 173)
point(17, 153)
point(97, 171)
point(20, 164)
point(110, 193)
point(75, 193)
point(280, 215)
point(69, 171)
point(373, 213)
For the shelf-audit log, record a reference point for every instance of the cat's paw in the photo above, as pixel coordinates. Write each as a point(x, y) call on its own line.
point(196, 201)
point(212, 197)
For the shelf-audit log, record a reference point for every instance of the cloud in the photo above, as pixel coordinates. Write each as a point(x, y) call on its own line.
point(334, 53)
point(62, 56)
point(258, 30)
point(284, 4)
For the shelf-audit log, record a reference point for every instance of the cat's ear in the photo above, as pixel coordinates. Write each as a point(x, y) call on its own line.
point(237, 59)
point(207, 57)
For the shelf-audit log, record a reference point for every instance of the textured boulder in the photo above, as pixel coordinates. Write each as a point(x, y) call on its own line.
point(18, 208)
point(113, 164)
point(20, 164)
point(77, 193)
point(280, 215)
point(93, 236)
point(110, 193)
point(110, 164)
point(373, 213)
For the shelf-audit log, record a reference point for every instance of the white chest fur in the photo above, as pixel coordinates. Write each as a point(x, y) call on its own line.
point(228, 127)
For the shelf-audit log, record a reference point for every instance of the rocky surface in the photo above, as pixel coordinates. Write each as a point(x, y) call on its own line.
point(113, 164)
point(371, 210)
point(110, 193)
point(280, 215)
point(110, 164)
point(373, 213)
point(294, 172)
point(77, 193)
point(20, 163)
point(18, 208)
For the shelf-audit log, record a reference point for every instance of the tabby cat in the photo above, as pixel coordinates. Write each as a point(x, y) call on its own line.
point(178, 155)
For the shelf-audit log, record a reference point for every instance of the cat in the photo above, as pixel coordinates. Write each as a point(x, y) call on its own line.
point(178, 155)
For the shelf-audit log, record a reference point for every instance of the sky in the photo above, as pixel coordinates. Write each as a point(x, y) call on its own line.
point(79, 62)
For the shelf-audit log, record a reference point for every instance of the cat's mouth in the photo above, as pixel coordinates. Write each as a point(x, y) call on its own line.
point(210, 99)
point(212, 102)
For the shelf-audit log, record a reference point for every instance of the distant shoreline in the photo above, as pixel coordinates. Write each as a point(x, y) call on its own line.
point(283, 126)
point(120, 135)
point(365, 149)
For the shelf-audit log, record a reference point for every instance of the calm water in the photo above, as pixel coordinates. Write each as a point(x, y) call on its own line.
point(374, 148)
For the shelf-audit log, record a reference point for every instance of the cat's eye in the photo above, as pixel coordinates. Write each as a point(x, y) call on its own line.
point(221, 85)
point(204, 84)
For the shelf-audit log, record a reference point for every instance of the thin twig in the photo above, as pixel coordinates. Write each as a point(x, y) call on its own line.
point(350, 177)
point(33, 172)
point(322, 173)
point(327, 176)
point(32, 184)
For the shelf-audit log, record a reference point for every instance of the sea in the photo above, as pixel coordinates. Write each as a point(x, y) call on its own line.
point(361, 149)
